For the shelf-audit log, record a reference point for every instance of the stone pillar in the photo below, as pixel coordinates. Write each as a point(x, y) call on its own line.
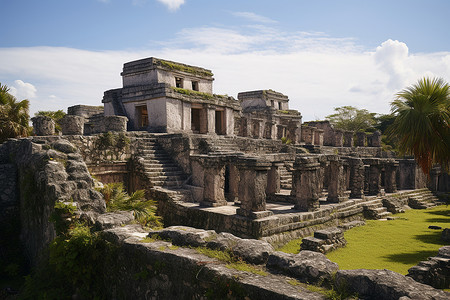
point(273, 179)
point(43, 125)
point(390, 176)
point(338, 138)
point(374, 140)
point(233, 193)
point(318, 137)
point(248, 128)
point(211, 114)
point(360, 139)
point(257, 128)
point(374, 177)
point(356, 178)
point(305, 182)
point(348, 138)
point(336, 185)
point(435, 172)
point(252, 188)
point(214, 183)
point(293, 132)
point(72, 125)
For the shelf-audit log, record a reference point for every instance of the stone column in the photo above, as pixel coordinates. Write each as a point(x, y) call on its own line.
point(306, 179)
point(374, 177)
point(390, 176)
point(360, 139)
point(338, 138)
point(252, 188)
point(374, 140)
point(211, 114)
point(233, 192)
point(318, 137)
point(273, 179)
point(348, 138)
point(72, 125)
point(43, 125)
point(248, 128)
point(336, 185)
point(356, 178)
point(214, 182)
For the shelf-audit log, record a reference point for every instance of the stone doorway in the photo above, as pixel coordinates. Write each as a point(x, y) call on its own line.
point(195, 120)
point(220, 122)
point(142, 117)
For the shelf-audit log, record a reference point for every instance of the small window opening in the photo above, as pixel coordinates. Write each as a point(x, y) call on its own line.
point(279, 106)
point(195, 85)
point(272, 103)
point(179, 82)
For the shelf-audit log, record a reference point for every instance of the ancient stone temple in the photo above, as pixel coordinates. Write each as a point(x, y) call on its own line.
point(164, 96)
point(266, 114)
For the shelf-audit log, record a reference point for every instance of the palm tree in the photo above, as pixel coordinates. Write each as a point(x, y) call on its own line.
point(422, 123)
point(14, 115)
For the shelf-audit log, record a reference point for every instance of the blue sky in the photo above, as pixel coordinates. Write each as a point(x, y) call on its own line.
point(322, 53)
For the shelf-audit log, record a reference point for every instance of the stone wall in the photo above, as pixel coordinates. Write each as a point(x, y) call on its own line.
point(47, 174)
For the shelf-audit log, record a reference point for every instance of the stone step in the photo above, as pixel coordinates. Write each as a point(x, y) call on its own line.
point(165, 174)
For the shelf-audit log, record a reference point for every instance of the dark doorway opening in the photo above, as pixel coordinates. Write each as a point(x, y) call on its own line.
point(195, 120)
point(220, 122)
point(142, 117)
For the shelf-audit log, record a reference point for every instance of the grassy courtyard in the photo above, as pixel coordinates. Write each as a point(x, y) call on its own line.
point(396, 245)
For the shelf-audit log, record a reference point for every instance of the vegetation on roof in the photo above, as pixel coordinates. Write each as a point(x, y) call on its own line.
point(185, 68)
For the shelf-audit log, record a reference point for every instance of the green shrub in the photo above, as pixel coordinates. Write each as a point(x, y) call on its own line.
point(144, 210)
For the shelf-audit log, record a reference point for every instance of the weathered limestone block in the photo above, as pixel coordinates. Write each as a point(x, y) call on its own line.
point(374, 140)
point(361, 139)
point(325, 240)
point(356, 177)
point(395, 205)
point(252, 187)
point(337, 184)
point(72, 125)
point(185, 236)
point(43, 125)
point(306, 266)
point(64, 146)
point(348, 138)
point(115, 123)
point(435, 271)
point(385, 284)
point(253, 251)
point(306, 183)
point(114, 219)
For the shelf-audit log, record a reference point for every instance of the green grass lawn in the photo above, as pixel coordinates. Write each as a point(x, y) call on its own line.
point(396, 245)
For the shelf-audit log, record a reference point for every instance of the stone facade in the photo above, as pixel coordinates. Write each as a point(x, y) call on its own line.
point(43, 125)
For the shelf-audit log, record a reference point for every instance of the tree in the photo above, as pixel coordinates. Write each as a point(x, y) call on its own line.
point(422, 123)
point(55, 115)
point(352, 119)
point(14, 116)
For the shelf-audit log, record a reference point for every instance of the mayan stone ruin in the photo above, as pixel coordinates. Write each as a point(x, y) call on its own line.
point(225, 172)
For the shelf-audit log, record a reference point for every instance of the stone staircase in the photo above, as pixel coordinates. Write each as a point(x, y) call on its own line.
point(374, 209)
point(159, 167)
point(422, 199)
point(222, 145)
point(286, 176)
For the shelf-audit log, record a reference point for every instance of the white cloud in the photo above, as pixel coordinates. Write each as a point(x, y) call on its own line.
point(316, 71)
point(23, 90)
point(172, 4)
point(253, 17)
